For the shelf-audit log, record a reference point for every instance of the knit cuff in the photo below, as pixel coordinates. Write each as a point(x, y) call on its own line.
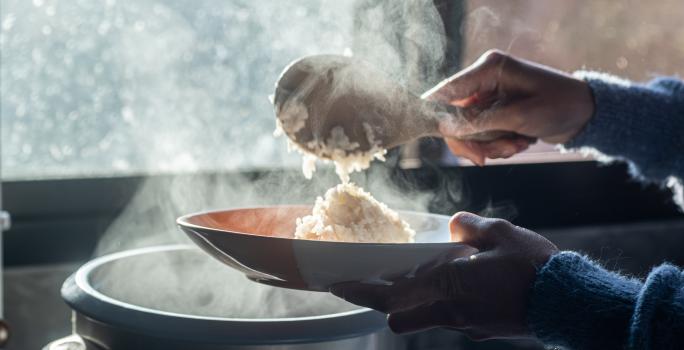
point(576, 303)
point(609, 93)
point(639, 122)
point(658, 320)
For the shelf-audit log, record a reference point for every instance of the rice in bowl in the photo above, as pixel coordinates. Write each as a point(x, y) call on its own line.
point(347, 213)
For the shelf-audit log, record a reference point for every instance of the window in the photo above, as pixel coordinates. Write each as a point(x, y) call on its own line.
point(95, 88)
point(102, 88)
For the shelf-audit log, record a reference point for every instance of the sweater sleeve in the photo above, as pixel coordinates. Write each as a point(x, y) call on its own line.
point(575, 303)
point(641, 123)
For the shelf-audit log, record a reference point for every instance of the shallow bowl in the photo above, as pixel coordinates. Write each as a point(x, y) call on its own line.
point(260, 243)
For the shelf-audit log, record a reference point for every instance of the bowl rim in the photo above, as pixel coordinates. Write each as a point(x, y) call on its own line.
point(183, 223)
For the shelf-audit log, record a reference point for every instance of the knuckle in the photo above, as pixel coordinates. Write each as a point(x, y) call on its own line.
point(459, 219)
point(439, 283)
point(450, 284)
point(495, 56)
point(464, 218)
point(456, 221)
point(499, 225)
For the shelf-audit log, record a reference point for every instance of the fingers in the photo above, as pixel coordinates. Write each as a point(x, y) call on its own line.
point(437, 314)
point(467, 86)
point(465, 228)
point(476, 231)
point(430, 283)
point(505, 147)
point(403, 295)
point(469, 121)
point(476, 152)
point(468, 149)
point(484, 90)
point(361, 294)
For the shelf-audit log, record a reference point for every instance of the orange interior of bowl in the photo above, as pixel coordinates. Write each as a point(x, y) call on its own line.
point(279, 221)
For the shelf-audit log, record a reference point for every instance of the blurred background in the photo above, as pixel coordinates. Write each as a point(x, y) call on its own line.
point(130, 87)
point(117, 116)
point(631, 39)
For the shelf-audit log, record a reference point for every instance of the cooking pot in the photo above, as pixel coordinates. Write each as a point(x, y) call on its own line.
point(177, 297)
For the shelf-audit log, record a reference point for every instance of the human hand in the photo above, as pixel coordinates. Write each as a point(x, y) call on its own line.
point(484, 295)
point(501, 92)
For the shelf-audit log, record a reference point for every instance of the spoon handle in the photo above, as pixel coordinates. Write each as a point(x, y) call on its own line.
point(442, 111)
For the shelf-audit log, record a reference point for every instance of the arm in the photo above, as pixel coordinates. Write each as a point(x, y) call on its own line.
point(576, 303)
point(518, 285)
point(643, 123)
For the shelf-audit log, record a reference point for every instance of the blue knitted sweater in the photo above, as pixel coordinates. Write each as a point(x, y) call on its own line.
point(576, 303)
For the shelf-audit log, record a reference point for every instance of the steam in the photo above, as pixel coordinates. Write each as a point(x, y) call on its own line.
point(149, 219)
point(199, 285)
point(129, 87)
point(481, 22)
point(405, 38)
point(193, 283)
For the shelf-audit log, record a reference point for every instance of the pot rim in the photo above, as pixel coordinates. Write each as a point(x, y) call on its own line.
point(81, 280)
point(83, 298)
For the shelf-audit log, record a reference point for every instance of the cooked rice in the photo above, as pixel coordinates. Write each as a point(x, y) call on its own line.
point(349, 214)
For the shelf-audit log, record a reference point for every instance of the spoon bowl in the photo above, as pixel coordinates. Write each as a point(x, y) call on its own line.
point(327, 97)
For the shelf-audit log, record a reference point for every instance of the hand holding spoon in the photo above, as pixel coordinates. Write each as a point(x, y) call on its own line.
point(317, 94)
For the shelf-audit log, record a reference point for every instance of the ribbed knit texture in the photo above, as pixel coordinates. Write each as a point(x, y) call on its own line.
point(641, 123)
point(658, 320)
point(576, 303)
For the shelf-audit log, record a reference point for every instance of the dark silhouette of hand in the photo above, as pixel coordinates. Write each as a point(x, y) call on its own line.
point(484, 295)
point(501, 92)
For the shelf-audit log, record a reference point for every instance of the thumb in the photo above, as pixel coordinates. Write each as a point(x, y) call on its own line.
point(473, 230)
point(461, 88)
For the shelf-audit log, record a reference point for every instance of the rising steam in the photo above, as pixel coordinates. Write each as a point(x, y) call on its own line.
point(405, 38)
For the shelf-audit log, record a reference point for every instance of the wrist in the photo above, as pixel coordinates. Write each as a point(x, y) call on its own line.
point(581, 109)
point(586, 108)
